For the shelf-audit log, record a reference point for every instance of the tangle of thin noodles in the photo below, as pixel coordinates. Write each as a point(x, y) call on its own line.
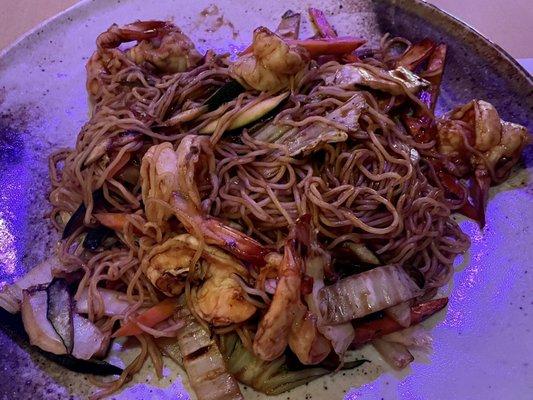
point(364, 190)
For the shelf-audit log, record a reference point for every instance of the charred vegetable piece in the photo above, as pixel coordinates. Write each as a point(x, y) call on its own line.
point(320, 23)
point(367, 331)
point(249, 115)
point(365, 293)
point(86, 340)
point(41, 274)
point(89, 341)
point(272, 132)
point(76, 220)
point(289, 27)
point(13, 325)
point(224, 94)
point(95, 237)
point(204, 363)
point(169, 346)
point(59, 312)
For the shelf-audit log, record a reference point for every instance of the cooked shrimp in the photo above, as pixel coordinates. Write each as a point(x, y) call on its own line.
point(172, 52)
point(273, 331)
point(306, 341)
point(158, 181)
point(218, 297)
point(272, 65)
point(160, 44)
point(169, 188)
point(476, 141)
point(167, 265)
point(477, 125)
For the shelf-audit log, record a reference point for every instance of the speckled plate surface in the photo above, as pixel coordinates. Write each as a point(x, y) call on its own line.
point(482, 343)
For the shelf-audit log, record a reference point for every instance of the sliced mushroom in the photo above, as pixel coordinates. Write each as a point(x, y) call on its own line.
point(40, 331)
point(88, 339)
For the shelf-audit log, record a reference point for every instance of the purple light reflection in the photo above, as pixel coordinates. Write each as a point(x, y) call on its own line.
point(8, 252)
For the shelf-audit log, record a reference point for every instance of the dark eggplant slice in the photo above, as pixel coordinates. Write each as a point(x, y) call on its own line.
point(13, 326)
point(225, 93)
point(59, 312)
point(76, 219)
point(95, 237)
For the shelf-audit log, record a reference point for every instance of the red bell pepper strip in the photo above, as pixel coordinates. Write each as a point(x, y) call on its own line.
point(368, 331)
point(151, 317)
point(418, 53)
point(326, 30)
point(433, 73)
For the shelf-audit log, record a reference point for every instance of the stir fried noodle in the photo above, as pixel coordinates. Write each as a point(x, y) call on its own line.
point(192, 198)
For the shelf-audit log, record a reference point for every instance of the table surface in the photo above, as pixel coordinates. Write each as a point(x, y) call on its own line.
point(507, 23)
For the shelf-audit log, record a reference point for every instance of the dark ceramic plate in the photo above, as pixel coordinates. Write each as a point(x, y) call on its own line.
point(482, 343)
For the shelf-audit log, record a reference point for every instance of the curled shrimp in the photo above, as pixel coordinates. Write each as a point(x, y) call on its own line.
point(169, 189)
point(274, 328)
point(158, 180)
point(476, 141)
point(159, 43)
point(217, 296)
point(306, 341)
point(272, 65)
point(167, 265)
point(475, 137)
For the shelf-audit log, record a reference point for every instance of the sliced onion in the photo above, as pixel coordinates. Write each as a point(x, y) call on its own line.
point(416, 337)
point(363, 253)
point(365, 293)
point(395, 354)
point(270, 286)
point(88, 339)
point(400, 313)
point(114, 303)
